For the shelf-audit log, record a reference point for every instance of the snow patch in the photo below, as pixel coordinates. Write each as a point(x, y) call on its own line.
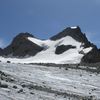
point(74, 27)
point(86, 50)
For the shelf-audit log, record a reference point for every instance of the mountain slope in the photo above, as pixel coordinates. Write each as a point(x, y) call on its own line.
point(20, 46)
point(70, 46)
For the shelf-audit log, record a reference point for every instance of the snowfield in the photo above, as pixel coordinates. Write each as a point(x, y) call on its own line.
point(35, 82)
point(71, 56)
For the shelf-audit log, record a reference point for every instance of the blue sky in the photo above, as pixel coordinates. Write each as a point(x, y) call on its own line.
point(44, 18)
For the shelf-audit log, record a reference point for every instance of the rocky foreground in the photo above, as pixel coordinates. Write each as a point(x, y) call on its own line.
point(37, 82)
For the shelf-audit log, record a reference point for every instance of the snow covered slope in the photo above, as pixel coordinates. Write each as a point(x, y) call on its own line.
point(48, 55)
point(35, 82)
point(67, 47)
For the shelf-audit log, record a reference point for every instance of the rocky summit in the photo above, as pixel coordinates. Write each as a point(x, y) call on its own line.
point(21, 46)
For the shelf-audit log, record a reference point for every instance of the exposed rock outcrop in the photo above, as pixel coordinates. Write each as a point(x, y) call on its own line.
point(62, 48)
point(92, 57)
point(21, 46)
point(1, 51)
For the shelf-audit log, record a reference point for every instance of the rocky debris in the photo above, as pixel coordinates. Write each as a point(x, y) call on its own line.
point(8, 61)
point(15, 87)
point(20, 91)
point(50, 90)
point(62, 48)
point(34, 87)
point(32, 93)
point(3, 85)
point(6, 77)
point(23, 85)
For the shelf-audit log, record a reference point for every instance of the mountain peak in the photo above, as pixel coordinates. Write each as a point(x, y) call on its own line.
point(75, 33)
point(21, 46)
point(21, 37)
point(75, 27)
point(26, 34)
point(69, 31)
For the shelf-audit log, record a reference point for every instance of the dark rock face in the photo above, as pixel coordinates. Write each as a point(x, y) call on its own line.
point(1, 51)
point(92, 57)
point(62, 48)
point(21, 46)
point(75, 34)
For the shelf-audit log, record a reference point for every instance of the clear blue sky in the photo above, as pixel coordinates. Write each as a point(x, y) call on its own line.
point(44, 18)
